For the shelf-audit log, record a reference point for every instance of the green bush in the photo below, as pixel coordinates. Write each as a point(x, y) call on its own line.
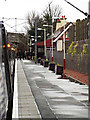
point(39, 58)
point(69, 50)
point(46, 60)
point(59, 65)
point(42, 59)
point(52, 62)
point(75, 48)
point(85, 50)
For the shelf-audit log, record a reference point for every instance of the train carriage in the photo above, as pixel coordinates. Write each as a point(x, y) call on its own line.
point(7, 68)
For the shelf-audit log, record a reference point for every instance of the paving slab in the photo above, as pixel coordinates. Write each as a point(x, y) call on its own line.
point(27, 107)
point(64, 98)
point(42, 95)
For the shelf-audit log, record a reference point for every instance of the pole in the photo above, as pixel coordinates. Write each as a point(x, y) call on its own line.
point(45, 44)
point(16, 35)
point(89, 52)
point(64, 50)
point(16, 24)
point(52, 42)
point(51, 38)
point(85, 13)
point(16, 28)
point(35, 40)
point(27, 41)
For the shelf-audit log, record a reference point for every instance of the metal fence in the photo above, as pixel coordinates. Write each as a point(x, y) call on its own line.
point(75, 62)
point(58, 57)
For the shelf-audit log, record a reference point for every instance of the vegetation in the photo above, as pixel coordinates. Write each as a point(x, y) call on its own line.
point(74, 51)
point(48, 13)
point(75, 48)
point(45, 18)
point(59, 65)
point(46, 60)
point(85, 50)
point(42, 59)
point(39, 58)
point(69, 50)
point(72, 48)
point(52, 62)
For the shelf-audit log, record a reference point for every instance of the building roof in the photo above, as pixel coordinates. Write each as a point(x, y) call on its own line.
point(48, 43)
point(64, 30)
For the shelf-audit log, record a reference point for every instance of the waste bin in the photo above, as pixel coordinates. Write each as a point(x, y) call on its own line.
point(59, 69)
point(52, 66)
point(46, 62)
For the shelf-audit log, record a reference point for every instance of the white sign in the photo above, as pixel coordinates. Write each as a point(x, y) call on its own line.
point(59, 45)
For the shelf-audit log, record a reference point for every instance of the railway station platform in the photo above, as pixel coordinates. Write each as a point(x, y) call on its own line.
point(24, 103)
point(41, 94)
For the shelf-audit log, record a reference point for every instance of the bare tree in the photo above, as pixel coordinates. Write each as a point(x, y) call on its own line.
point(56, 11)
point(49, 12)
point(31, 19)
point(53, 11)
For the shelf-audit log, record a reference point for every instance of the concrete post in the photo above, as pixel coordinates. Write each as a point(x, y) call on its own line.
point(45, 44)
point(52, 42)
point(27, 40)
point(35, 40)
point(64, 49)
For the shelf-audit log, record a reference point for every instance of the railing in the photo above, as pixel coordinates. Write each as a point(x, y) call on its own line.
point(76, 62)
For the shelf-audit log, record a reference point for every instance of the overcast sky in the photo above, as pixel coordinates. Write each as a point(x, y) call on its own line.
point(20, 9)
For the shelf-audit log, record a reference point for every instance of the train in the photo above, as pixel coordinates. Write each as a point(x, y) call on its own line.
point(7, 71)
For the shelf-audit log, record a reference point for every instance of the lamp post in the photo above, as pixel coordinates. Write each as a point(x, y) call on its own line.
point(32, 40)
point(27, 41)
point(44, 41)
point(35, 40)
point(52, 36)
point(64, 49)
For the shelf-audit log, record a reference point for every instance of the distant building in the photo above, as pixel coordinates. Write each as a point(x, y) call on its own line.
point(17, 40)
point(13, 37)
